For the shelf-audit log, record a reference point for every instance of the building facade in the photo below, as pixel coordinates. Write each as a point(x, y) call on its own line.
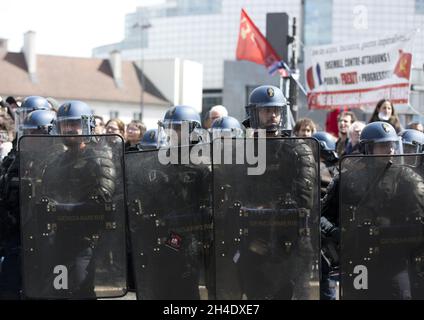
point(207, 31)
point(111, 87)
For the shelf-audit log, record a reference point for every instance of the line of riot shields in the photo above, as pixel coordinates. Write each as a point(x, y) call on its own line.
point(199, 225)
point(208, 230)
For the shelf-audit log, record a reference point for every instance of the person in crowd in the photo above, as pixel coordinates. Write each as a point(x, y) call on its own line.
point(304, 128)
point(100, 127)
point(344, 121)
point(385, 111)
point(354, 133)
point(116, 126)
point(5, 143)
point(416, 125)
point(214, 113)
point(135, 131)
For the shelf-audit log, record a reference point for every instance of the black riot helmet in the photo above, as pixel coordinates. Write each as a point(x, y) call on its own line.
point(268, 109)
point(149, 140)
point(29, 105)
point(227, 127)
point(39, 122)
point(327, 145)
point(412, 140)
point(380, 138)
point(73, 118)
point(176, 119)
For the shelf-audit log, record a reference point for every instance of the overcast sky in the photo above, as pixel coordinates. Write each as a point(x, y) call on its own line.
point(66, 27)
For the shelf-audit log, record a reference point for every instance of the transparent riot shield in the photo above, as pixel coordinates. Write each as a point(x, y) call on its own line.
point(72, 217)
point(169, 210)
point(266, 218)
point(382, 230)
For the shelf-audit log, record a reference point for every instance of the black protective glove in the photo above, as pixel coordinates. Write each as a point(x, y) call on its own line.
point(330, 242)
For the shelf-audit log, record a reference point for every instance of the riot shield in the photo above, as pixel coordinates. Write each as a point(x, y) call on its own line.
point(267, 220)
point(382, 231)
point(169, 211)
point(72, 217)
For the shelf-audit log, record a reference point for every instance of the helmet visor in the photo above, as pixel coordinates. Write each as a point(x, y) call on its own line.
point(273, 118)
point(384, 148)
point(175, 133)
point(32, 130)
point(74, 126)
point(411, 148)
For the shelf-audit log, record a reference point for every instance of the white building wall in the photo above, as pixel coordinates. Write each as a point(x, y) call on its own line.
point(163, 73)
point(180, 81)
point(126, 112)
point(152, 115)
point(191, 84)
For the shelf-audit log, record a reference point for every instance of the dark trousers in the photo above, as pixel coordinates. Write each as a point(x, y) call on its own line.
point(328, 283)
point(10, 275)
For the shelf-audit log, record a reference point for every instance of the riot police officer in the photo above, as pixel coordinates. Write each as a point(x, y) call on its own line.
point(226, 127)
point(180, 126)
point(80, 185)
point(412, 140)
point(268, 109)
point(383, 194)
point(328, 158)
point(149, 140)
point(274, 260)
point(171, 240)
point(36, 122)
point(29, 105)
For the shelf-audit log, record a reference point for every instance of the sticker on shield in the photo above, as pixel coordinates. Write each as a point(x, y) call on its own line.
point(174, 241)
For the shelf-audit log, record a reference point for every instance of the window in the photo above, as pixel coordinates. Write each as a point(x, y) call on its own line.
point(194, 7)
point(419, 6)
point(113, 114)
point(138, 116)
point(318, 22)
point(210, 98)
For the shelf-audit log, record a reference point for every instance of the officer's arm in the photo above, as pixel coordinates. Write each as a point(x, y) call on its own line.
point(415, 187)
point(106, 174)
point(306, 178)
point(329, 210)
point(330, 202)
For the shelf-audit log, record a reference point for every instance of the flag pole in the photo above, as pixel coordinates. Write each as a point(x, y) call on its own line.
point(293, 82)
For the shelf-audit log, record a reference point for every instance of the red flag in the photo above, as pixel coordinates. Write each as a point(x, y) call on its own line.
point(403, 66)
point(254, 47)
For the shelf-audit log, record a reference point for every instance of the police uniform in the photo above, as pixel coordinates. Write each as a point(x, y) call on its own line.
point(171, 240)
point(276, 254)
point(390, 198)
point(80, 186)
